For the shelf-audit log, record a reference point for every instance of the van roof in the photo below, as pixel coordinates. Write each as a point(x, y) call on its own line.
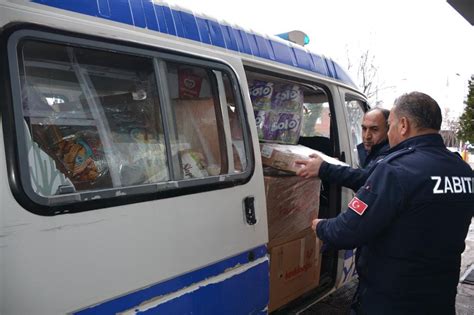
point(161, 17)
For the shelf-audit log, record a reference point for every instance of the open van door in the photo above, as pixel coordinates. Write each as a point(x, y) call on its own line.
point(354, 108)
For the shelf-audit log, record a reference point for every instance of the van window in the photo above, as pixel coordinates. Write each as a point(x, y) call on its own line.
point(355, 113)
point(108, 133)
point(316, 119)
point(202, 104)
point(95, 118)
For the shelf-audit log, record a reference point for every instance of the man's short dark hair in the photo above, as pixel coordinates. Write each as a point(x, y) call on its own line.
point(385, 113)
point(420, 108)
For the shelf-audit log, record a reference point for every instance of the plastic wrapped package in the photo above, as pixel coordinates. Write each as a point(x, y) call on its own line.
point(292, 204)
point(261, 93)
point(279, 119)
point(273, 126)
point(193, 163)
point(283, 127)
point(77, 152)
point(283, 157)
point(141, 162)
point(83, 156)
point(288, 98)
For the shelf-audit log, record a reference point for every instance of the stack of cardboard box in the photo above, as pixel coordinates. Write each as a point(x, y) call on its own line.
point(292, 204)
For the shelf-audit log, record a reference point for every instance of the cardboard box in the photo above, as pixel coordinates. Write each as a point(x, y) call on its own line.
point(294, 269)
point(283, 157)
point(292, 205)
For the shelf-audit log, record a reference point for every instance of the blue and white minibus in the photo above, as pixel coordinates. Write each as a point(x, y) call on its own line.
point(130, 168)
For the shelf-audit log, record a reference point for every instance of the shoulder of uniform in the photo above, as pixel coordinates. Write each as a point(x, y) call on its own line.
point(397, 154)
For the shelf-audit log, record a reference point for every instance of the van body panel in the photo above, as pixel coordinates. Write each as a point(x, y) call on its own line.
point(165, 254)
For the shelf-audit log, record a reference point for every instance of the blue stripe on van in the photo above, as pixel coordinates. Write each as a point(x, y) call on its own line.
point(250, 286)
point(156, 17)
point(246, 293)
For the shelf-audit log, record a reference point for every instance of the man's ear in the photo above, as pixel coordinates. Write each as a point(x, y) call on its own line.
point(404, 126)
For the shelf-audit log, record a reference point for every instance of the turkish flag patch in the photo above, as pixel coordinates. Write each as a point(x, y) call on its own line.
point(358, 206)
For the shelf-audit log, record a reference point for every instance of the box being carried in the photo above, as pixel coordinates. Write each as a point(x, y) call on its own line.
point(283, 157)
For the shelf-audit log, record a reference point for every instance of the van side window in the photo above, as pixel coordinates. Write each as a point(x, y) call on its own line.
point(355, 113)
point(95, 113)
point(316, 118)
point(93, 120)
point(200, 140)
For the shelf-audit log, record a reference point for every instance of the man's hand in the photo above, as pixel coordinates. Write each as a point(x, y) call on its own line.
point(315, 223)
point(309, 167)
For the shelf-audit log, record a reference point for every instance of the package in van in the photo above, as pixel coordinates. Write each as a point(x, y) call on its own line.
point(77, 152)
point(193, 163)
point(292, 204)
point(261, 94)
point(283, 157)
point(189, 84)
point(295, 268)
point(288, 98)
point(278, 116)
point(279, 127)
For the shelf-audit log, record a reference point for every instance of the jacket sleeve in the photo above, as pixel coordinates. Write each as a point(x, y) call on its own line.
point(370, 212)
point(346, 176)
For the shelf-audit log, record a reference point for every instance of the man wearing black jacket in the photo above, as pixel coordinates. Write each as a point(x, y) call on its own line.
point(373, 148)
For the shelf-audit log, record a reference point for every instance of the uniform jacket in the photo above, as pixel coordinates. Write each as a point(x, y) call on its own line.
point(411, 216)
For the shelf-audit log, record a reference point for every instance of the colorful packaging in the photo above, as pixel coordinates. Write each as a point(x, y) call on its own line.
point(82, 156)
point(288, 98)
point(261, 94)
point(189, 84)
point(278, 111)
point(283, 127)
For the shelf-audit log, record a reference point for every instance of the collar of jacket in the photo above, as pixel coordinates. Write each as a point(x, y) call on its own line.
point(429, 140)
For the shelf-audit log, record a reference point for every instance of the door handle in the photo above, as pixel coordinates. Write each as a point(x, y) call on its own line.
point(249, 210)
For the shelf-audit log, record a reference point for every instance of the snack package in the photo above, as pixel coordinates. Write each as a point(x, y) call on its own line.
point(261, 94)
point(82, 156)
point(194, 164)
point(189, 84)
point(283, 157)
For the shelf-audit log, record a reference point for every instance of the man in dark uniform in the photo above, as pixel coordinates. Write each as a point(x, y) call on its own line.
point(412, 216)
point(374, 146)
